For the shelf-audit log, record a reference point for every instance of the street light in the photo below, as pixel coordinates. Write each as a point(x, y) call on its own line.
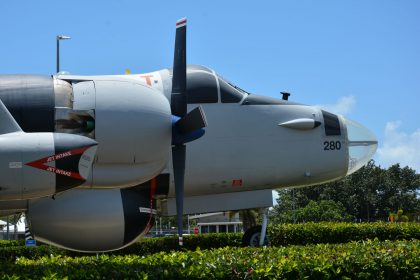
point(60, 37)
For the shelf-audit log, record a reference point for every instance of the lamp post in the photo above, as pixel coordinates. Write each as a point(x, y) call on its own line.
point(60, 37)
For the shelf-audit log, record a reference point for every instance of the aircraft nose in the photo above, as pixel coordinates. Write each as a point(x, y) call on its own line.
point(362, 145)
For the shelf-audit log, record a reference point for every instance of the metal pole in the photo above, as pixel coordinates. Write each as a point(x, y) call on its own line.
point(189, 224)
point(58, 38)
point(8, 224)
point(15, 228)
point(294, 206)
point(264, 226)
point(58, 55)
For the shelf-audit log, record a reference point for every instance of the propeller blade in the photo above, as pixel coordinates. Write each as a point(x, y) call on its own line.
point(178, 162)
point(179, 108)
point(179, 78)
point(194, 120)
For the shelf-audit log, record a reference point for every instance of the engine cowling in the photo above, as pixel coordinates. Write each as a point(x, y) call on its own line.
point(129, 119)
point(92, 220)
point(132, 127)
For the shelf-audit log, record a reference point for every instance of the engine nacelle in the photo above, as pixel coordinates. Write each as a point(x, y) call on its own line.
point(132, 127)
point(129, 119)
point(92, 220)
point(41, 164)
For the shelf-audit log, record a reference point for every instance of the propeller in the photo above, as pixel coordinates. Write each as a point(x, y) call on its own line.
point(186, 127)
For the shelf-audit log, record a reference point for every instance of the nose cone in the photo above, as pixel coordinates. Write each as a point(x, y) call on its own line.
point(362, 145)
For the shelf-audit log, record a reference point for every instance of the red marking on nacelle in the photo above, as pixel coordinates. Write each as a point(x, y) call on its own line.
point(41, 163)
point(148, 80)
point(237, 183)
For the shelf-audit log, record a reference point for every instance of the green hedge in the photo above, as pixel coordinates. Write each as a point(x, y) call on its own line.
point(146, 246)
point(280, 235)
point(10, 254)
point(357, 260)
point(8, 243)
point(326, 232)
point(191, 242)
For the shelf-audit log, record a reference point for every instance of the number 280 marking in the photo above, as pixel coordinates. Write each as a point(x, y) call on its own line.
point(332, 145)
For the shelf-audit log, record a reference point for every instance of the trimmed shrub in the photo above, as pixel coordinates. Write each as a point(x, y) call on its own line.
point(9, 243)
point(191, 242)
point(280, 235)
point(146, 246)
point(10, 254)
point(326, 232)
point(356, 260)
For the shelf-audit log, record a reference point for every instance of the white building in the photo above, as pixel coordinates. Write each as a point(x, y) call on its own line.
point(217, 222)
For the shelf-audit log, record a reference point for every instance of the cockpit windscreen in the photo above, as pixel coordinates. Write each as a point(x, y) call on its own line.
point(230, 93)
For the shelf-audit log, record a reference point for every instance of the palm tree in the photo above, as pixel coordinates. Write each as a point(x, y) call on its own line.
point(13, 219)
point(248, 217)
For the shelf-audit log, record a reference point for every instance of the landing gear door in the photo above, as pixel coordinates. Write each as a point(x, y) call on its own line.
point(84, 95)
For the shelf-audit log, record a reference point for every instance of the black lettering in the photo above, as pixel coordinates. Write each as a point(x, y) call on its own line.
point(332, 145)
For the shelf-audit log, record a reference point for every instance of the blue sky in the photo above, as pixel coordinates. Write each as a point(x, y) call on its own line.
point(358, 58)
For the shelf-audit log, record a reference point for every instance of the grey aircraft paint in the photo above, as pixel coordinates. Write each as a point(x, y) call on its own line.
point(40, 164)
point(104, 219)
point(30, 99)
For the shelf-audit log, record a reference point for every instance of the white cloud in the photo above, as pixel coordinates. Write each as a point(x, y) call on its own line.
point(400, 147)
point(343, 106)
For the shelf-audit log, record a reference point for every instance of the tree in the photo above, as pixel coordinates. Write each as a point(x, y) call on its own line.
point(369, 194)
point(314, 211)
point(248, 218)
point(399, 191)
point(12, 220)
point(398, 217)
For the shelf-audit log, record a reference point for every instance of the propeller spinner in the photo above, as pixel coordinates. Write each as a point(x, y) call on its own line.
point(185, 127)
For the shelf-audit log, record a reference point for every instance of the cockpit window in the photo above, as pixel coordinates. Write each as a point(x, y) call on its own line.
point(201, 88)
point(230, 93)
